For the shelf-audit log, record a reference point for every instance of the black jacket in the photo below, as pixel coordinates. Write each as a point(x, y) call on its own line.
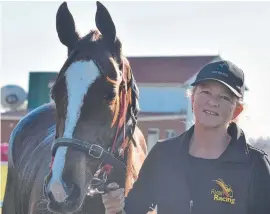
point(238, 183)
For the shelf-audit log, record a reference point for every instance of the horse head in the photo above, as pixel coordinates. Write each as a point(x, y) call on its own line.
point(95, 96)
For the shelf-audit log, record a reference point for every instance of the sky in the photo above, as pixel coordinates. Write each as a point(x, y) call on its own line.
point(237, 31)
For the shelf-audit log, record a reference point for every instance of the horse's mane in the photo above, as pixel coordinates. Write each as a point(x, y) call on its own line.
point(134, 107)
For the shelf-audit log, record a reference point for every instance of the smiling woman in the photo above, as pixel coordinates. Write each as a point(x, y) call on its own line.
point(222, 108)
point(210, 168)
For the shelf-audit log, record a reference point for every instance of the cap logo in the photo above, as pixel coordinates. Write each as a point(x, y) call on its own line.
point(220, 73)
point(220, 66)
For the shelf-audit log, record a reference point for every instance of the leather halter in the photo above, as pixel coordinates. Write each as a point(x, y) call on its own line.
point(93, 149)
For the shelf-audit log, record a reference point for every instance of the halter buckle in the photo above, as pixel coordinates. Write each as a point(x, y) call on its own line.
point(95, 151)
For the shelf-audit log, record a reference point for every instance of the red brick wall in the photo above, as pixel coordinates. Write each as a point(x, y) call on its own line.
point(162, 125)
point(6, 129)
point(177, 125)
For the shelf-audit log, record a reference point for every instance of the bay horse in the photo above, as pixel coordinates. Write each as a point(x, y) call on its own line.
point(62, 155)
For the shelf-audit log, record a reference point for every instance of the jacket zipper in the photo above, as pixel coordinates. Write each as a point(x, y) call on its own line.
point(191, 203)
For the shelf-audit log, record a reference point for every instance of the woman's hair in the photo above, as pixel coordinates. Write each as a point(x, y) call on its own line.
point(190, 91)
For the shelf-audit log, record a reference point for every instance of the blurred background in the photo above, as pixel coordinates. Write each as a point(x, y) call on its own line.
point(166, 43)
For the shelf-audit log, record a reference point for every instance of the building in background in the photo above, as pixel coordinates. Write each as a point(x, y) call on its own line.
point(40, 84)
point(162, 81)
point(8, 121)
point(38, 94)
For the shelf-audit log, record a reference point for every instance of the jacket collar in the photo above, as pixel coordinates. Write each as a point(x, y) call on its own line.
point(237, 150)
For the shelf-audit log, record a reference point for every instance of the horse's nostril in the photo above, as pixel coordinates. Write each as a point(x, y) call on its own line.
point(60, 190)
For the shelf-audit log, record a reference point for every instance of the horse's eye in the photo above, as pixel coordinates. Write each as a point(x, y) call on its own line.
point(109, 96)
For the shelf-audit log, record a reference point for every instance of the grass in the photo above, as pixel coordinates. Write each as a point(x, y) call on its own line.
point(3, 182)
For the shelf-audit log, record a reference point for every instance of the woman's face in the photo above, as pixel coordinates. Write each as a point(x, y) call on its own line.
point(214, 105)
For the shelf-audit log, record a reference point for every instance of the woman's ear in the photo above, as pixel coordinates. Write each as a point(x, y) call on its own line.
point(238, 110)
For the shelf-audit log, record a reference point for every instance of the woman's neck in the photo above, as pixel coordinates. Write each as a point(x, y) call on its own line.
point(209, 143)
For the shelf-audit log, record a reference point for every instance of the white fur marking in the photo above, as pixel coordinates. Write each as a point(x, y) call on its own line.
point(79, 77)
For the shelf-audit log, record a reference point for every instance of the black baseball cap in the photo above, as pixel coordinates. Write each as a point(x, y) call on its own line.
point(224, 72)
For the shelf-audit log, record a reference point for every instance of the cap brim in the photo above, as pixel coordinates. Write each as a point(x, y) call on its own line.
point(224, 83)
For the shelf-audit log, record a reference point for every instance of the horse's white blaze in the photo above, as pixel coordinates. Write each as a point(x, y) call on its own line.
point(79, 77)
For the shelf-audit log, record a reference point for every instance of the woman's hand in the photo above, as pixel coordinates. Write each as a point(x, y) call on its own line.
point(114, 201)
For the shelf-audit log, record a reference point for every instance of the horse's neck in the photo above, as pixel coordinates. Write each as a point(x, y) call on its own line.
point(135, 158)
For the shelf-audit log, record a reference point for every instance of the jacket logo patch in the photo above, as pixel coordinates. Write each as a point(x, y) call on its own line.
point(224, 192)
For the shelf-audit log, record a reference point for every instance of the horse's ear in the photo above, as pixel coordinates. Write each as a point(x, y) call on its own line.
point(65, 27)
point(105, 24)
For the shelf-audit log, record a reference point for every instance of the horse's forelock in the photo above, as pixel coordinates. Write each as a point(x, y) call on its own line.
point(93, 36)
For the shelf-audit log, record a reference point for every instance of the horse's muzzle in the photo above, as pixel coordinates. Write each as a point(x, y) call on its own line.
point(61, 197)
point(59, 190)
